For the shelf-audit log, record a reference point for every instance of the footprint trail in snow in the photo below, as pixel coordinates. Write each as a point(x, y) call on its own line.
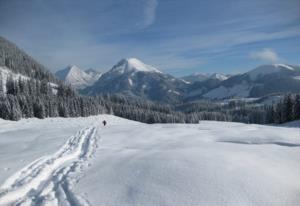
point(48, 180)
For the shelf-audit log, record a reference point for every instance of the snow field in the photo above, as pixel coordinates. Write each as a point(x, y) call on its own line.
point(37, 182)
point(211, 163)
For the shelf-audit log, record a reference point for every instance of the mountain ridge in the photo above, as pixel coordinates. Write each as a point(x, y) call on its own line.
point(134, 78)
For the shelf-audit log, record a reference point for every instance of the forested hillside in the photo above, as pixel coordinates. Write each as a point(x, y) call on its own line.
point(19, 62)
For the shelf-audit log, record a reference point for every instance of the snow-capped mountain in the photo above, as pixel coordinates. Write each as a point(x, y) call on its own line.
point(135, 78)
point(274, 69)
point(263, 80)
point(78, 78)
point(200, 77)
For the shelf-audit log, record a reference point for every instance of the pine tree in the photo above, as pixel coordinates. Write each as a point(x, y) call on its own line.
point(297, 107)
point(1, 84)
point(288, 108)
point(39, 108)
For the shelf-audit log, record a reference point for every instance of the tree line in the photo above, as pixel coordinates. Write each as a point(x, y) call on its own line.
point(32, 98)
point(285, 111)
point(41, 99)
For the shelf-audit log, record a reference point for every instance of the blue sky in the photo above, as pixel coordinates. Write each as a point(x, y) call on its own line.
point(178, 37)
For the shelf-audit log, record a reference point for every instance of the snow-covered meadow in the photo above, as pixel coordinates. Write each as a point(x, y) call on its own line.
point(77, 161)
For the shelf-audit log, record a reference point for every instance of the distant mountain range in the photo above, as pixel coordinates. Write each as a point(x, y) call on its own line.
point(134, 78)
point(77, 78)
point(261, 81)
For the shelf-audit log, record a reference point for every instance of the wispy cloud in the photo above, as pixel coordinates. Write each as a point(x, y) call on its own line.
point(149, 12)
point(173, 35)
point(266, 55)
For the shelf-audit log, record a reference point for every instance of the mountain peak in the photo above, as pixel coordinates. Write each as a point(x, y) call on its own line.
point(133, 64)
point(268, 69)
point(72, 68)
point(74, 76)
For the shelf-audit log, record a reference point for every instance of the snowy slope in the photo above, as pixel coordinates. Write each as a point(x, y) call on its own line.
point(268, 69)
point(239, 90)
point(261, 81)
point(200, 77)
point(5, 74)
point(80, 162)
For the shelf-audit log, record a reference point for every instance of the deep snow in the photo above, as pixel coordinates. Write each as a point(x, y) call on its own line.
point(129, 163)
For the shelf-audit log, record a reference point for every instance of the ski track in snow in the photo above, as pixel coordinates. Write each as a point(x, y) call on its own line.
point(49, 179)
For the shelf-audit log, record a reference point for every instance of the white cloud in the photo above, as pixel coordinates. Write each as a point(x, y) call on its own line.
point(149, 12)
point(267, 55)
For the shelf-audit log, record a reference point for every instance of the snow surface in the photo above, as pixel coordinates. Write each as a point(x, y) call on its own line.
point(76, 161)
point(133, 64)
